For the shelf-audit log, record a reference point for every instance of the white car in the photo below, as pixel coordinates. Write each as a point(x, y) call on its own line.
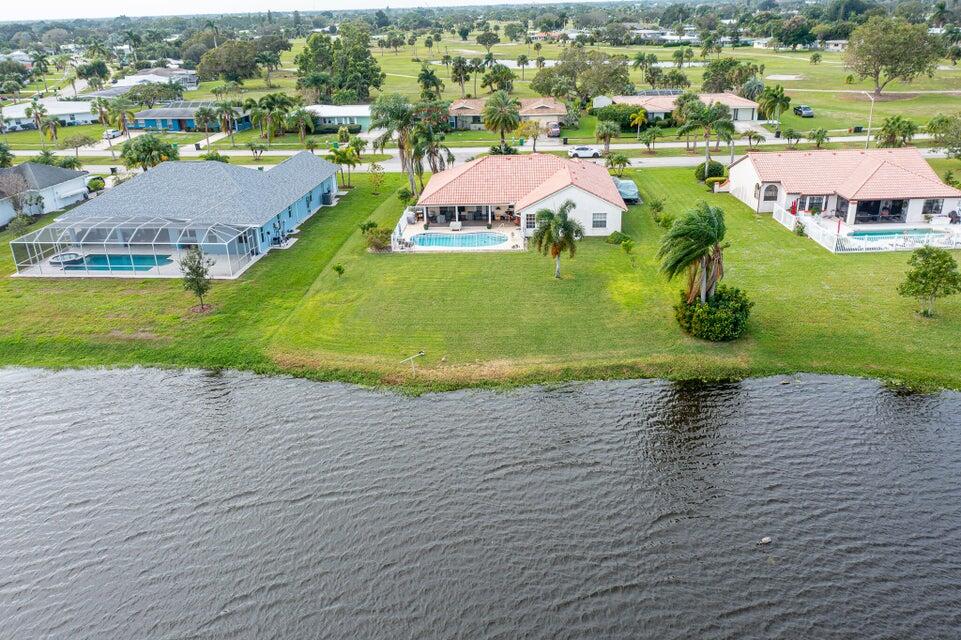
point(110, 134)
point(584, 152)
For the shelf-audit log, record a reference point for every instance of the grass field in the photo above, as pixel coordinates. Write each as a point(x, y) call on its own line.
point(495, 318)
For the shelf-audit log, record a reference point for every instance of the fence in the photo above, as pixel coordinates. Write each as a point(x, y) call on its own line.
point(397, 242)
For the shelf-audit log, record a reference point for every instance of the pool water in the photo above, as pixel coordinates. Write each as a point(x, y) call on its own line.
point(104, 262)
point(459, 240)
point(894, 233)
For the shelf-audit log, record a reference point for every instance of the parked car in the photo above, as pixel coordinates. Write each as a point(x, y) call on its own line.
point(628, 190)
point(553, 130)
point(804, 111)
point(584, 152)
point(110, 134)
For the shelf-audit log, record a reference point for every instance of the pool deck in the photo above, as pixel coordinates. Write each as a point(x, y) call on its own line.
point(515, 237)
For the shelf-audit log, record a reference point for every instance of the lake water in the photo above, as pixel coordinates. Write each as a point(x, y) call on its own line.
point(156, 504)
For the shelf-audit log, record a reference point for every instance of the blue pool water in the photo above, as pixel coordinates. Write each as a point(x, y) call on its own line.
point(459, 240)
point(892, 233)
point(104, 262)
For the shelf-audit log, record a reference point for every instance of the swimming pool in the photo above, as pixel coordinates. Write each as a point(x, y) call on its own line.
point(470, 240)
point(882, 234)
point(120, 262)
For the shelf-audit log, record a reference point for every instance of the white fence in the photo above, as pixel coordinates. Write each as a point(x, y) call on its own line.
point(896, 240)
point(397, 242)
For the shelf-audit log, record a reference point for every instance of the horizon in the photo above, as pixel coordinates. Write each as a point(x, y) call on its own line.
point(57, 10)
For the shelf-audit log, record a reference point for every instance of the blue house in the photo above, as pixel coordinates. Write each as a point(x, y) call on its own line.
point(142, 227)
point(180, 116)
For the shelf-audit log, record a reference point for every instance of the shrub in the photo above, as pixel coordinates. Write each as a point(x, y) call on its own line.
point(503, 150)
point(665, 220)
point(617, 238)
point(710, 182)
point(715, 170)
point(333, 128)
point(799, 229)
point(722, 318)
point(96, 184)
point(378, 239)
point(619, 113)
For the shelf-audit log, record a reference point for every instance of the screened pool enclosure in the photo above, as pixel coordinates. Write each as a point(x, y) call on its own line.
point(132, 246)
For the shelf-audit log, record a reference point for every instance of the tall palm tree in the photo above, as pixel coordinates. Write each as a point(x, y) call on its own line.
point(693, 244)
point(476, 68)
point(522, 62)
point(427, 143)
point(270, 61)
point(301, 121)
point(395, 115)
point(460, 72)
point(315, 85)
point(708, 120)
point(122, 114)
point(639, 119)
point(556, 233)
point(50, 126)
point(446, 60)
point(41, 65)
point(38, 113)
point(203, 118)
point(501, 114)
point(226, 116)
point(605, 131)
point(431, 86)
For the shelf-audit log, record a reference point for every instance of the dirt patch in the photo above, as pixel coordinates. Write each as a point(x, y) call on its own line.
point(784, 76)
point(201, 309)
point(135, 336)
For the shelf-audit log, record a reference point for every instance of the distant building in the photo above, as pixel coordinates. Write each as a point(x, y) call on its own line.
point(180, 116)
point(161, 75)
point(18, 56)
point(467, 113)
point(68, 112)
point(661, 106)
point(342, 114)
point(835, 45)
point(58, 187)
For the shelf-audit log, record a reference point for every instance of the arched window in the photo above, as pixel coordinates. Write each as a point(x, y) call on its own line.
point(770, 193)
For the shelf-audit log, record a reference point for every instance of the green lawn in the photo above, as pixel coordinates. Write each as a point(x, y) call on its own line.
point(286, 141)
point(495, 318)
point(32, 139)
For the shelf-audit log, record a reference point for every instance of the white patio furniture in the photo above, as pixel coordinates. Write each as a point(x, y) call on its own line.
point(456, 225)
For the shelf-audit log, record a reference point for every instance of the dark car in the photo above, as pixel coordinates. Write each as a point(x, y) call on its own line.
point(804, 111)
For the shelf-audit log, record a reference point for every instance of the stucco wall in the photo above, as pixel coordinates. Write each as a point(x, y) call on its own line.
point(586, 204)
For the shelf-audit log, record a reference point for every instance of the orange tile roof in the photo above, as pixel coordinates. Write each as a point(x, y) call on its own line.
point(520, 180)
point(528, 107)
point(665, 104)
point(854, 174)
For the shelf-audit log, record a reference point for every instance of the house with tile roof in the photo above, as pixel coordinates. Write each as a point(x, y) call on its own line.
point(510, 190)
point(872, 188)
point(466, 113)
point(661, 106)
point(56, 187)
point(141, 227)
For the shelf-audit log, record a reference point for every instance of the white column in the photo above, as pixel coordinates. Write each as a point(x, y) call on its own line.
point(852, 212)
point(489, 214)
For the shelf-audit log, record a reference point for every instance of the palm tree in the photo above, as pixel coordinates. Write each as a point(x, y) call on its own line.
point(617, 162)
point(301, 121)
point(344, 157)
point(818, 137)
point(431, 86)
point(427, 143)
point(37, 112)
point(501, 114)
point(226, 116)
point(693, 245)
point(446, 60)
point(476, 69)
point(395, 115)
point(122, 114)
point(644, 61)
point(204, 117)
point(896, 131)
point(649, 137)
point(315, 85)
point(773, 101)
point(41, 65)
point(678, 57)
point(605, 131)
point(753, 138)
point(707, 119)
point(269, 60)
point(460, 72)
point(50, 126)
point(522, 62)
point(556, 233)
point(639, 119)
point(682, 105)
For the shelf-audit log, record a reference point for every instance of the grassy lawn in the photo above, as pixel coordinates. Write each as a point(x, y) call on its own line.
point(495, 318)
point(286, 141)
point(32, 139)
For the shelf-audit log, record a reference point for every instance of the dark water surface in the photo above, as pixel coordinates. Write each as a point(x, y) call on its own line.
point(151, 504)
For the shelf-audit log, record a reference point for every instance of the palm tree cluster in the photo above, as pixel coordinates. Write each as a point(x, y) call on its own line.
point(271, 113)
point(710, 120)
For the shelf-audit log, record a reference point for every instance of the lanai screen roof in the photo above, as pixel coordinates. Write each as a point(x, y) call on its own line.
point(132, 230)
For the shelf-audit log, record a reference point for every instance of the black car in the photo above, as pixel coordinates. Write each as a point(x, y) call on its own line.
point(804, 111)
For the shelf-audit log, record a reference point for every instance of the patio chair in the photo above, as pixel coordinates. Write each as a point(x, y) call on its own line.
point(456, 225)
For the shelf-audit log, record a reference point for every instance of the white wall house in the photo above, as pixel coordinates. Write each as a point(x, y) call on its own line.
point(58, 187)
point(512, 189)
point(659, 107)
point(859, 189)
point(66, 111)
point(161, 75)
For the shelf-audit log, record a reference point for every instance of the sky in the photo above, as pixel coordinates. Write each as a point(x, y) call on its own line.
point(68, 9)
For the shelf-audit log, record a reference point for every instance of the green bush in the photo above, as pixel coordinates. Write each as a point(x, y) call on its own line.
point(96, 184)
point(378, 239)
point(334, 128)
point(710, 182)
point(722, 318)
point(666, 219)
point(617, 238)
point(619, 113)
point(715, 170)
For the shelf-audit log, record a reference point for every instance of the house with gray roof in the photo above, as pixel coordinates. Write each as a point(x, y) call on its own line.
point(40, 187)
point(181, 116)
point(142, 227)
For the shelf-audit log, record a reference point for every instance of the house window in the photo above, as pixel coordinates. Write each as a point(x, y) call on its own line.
point(932, 207)
point(811, 203)
point(599, 221)
point(530, 220)
point(770, 193)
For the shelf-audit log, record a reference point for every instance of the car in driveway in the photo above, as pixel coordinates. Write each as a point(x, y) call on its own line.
point(583, 152)
point(804, 111)
point(628, 190)
point(553, 130)
point(110, 134)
